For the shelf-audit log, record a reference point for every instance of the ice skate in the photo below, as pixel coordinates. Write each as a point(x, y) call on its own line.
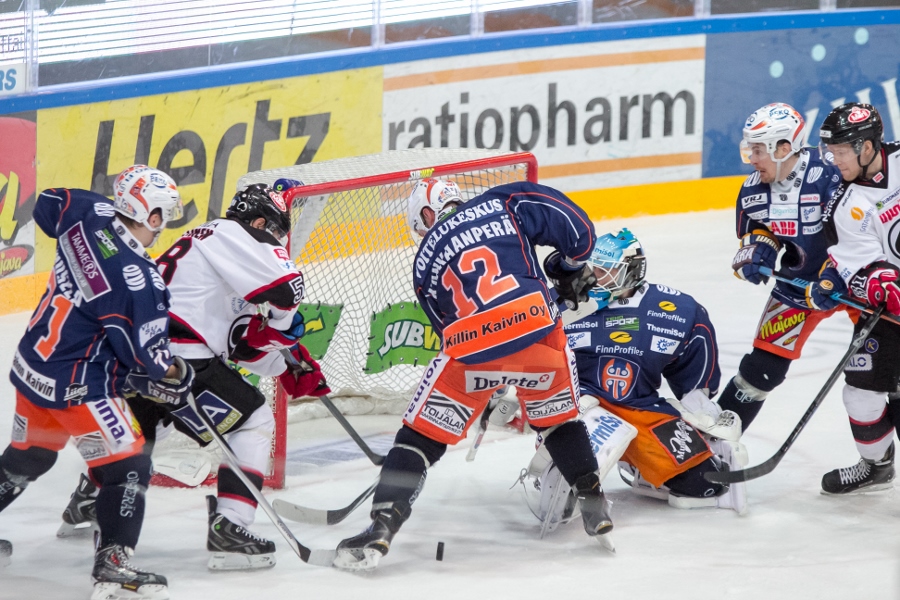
point(234, 548)
point(363, 552)
point(115, 578)
point(80, 516)
point(594, 509)
point(864, 476)
point(5, 553)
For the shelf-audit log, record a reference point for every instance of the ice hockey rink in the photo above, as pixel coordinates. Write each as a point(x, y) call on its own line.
point(793, 543)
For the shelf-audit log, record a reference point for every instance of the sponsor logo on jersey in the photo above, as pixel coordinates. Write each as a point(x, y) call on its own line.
point(813, 175)
point(446, 413)
point(663, 345)
point(871, 345)
point(19, 428)
point(151, 329)
point(104, 209)
point(134, 277)
point(91, 446)
point(784, 228)
point(754, 200)
point(579, 339)
point(859, 362)
point(783, 211)
point(890, 214)
point(760, 215)
point(811, 214)
point(75, 392)
point(620, 337)
point(543, 409)
point(622, 322)
point(426, 384)
point(667, 290)
point(812, 229)
point(601, 349)
point(857, 213)
point(108, 246)
point(667, 306)
point(116, 429)
point(878, 177)
point(809, 199)
point(617, 377)
point(158, 282)
point(45, 387)
point(85, 268)
point(790, 340)
point(752, 180)
point(680, 440)
point(220, 413)
point(781, 323)
point(585, 324)
point(668, 316)
point(664, 330)
point(477, 381)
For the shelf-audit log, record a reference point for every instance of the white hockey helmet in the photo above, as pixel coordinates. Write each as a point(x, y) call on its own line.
point(620, 266)
point(433, 193)
point(139, 190)
point(771, 124)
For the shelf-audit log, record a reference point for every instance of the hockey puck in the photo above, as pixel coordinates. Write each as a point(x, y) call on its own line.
point(440, 551)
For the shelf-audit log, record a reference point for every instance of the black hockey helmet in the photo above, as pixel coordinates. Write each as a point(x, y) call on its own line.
point(259, 200)
point(853, 123)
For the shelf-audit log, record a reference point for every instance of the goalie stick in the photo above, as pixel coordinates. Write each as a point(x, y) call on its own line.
point(322, 558)
point(318, 516)
point(377, 459)
point(769, 465)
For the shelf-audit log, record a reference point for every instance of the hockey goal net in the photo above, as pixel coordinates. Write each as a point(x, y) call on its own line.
point(351, 240)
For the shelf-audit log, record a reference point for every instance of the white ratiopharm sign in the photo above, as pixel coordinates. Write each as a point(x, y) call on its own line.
point(12, 78)
point(596, 115)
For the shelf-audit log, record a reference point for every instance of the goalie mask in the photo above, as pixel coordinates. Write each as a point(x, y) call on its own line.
point(434, 194)
point(619, 264)
point(770, 125)
point(259, 200)
point(139, 191)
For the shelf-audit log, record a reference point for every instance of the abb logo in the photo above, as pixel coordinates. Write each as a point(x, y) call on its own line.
point(784, 228)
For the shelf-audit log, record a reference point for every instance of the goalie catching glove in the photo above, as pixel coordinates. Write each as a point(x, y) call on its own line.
point(878, 284)
point(268, 339)
point(758, 249)
point(571, 281)
point(172, 391)
point(304, 378)
point(705, 415)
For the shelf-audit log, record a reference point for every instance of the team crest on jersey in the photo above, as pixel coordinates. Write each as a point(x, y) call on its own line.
point(617, 377)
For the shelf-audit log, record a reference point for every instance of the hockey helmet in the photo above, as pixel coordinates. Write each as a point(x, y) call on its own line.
point(259, 200)
point(770, 125)
point(140, 190)
point(619, 264)
point(433, 193)
point(852, 123)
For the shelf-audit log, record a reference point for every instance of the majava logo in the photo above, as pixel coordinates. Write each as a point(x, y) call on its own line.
point(14, 258)
point(18, 144)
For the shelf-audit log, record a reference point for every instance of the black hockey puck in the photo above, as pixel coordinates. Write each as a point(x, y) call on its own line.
point(440, 551)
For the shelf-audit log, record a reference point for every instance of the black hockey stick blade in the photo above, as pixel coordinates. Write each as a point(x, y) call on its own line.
point(769, 465)
point(377, 459)
point(322, 558)
point(318, 516)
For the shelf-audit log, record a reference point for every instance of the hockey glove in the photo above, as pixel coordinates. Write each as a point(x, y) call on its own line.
point(305, 379)
point(819, 293)
point(571, 281)
point(262, 337)
point(878, 284)
point(758, 249)
point(165, 391)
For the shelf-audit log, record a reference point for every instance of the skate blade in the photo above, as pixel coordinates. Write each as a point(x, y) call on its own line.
point(365, 559)
point(115, 591)
point(878, 487)
point(235, 561)
point(606, 542)
point(67, 530)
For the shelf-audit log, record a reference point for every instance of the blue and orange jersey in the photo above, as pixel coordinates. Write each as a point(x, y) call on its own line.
point(105, 311)
point(624, 350)
point(792, 210)
point(477, 276)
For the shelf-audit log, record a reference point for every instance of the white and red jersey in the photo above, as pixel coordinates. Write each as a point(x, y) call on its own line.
point(865, 218)
point(218, 273)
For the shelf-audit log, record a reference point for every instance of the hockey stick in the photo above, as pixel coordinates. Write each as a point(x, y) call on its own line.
point(317, 516)
point(768, 466)
point(803, 284)
point(377, 459)
point(322, 558)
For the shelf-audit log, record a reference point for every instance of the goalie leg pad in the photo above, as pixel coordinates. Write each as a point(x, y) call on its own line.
point(610, 435)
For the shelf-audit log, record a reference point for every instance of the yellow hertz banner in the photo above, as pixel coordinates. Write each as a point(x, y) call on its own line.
point(208, 138)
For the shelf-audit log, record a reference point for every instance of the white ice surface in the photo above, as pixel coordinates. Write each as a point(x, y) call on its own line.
point(793, 543)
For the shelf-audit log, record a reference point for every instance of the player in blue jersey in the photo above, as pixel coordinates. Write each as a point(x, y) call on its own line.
point(100, 329)
point(477, 276)
point(780, 208)
point(641, 333)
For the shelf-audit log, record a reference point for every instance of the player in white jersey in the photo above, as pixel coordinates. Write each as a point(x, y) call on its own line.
point(219, 275)
point(862, 220)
